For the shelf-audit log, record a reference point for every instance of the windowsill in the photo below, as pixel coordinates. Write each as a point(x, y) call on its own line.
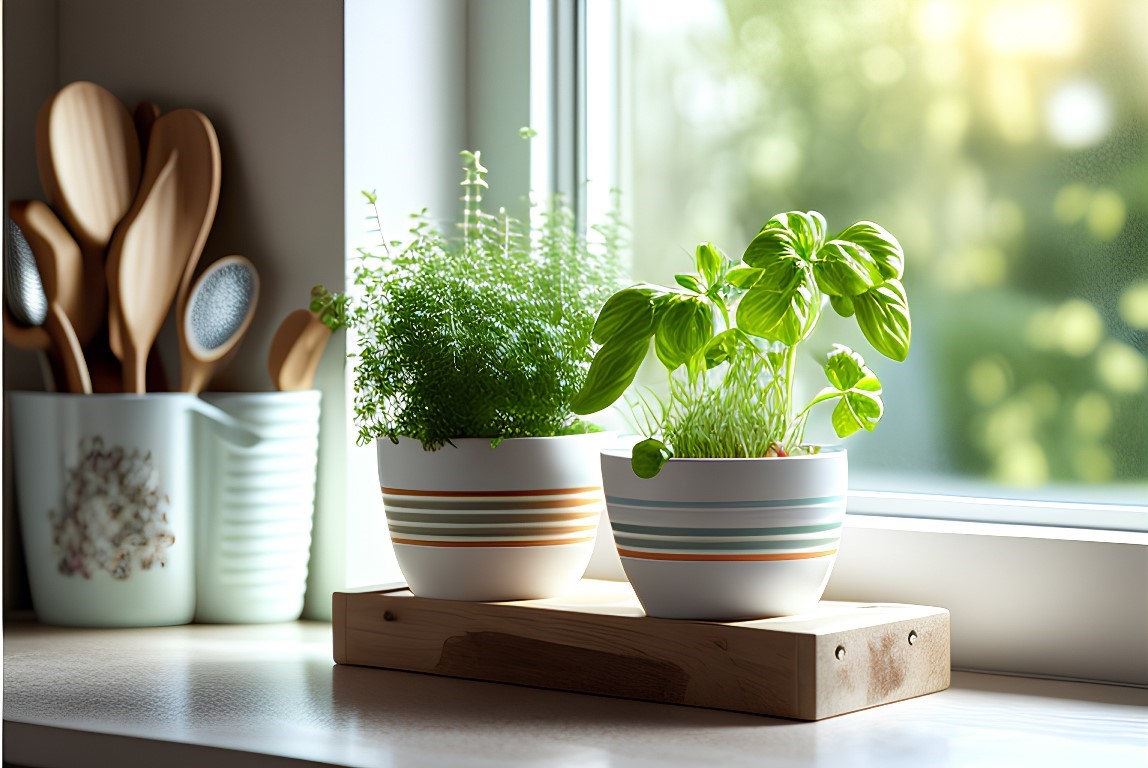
point(259, 695)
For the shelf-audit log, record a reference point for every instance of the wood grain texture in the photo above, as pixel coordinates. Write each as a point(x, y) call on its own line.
point(597, 641)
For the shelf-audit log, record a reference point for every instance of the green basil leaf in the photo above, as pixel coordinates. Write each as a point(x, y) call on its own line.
point(627, 315)
point(883, 314)
point(744, 277)
point(689, 282)
point(842, 305)
point(648, 457)
point(683, 329)
point(843, 268)
point(880, 244)
point(611, 372)
point(844, 368)
point(808, 230)
point(771, 244)
point(710, 261)
point(857, 410)
point(787, 315)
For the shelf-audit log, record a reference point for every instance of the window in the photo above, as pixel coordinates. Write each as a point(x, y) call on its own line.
point(1002, 141)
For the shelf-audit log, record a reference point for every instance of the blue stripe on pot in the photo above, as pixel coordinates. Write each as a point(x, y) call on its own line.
point(727, 546)
point(653, 530)
point(815, 501)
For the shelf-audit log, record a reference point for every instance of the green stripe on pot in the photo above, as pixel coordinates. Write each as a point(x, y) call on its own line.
point(772, 503)
point(725, 546)
point(652, 530)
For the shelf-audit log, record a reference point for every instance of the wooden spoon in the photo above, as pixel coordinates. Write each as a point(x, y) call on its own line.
point(185, 140)
point(296, 348)
point(56, 257)
point(219, 311)
point(145, 263)
point(88, 155)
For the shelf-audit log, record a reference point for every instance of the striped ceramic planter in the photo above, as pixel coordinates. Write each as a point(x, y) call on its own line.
point(472, 522)
point(728, 539)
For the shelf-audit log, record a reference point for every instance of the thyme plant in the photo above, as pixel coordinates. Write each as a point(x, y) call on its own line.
point(485, 334)
point(728, 337)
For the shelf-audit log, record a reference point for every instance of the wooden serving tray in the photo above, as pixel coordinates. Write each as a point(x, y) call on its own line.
point(840, 658)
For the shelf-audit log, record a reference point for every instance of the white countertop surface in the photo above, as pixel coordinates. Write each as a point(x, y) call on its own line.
point(270, 695)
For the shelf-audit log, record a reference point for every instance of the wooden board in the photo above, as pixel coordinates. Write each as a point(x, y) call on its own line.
point(841, 658)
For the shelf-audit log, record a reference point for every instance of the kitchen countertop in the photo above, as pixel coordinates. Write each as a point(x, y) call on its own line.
point(270, 695)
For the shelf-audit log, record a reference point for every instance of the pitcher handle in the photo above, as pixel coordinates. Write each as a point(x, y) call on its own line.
point(225, 425)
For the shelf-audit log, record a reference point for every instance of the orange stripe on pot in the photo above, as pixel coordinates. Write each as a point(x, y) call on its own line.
point(494, 494)
point(544, 543)
point(723, 558)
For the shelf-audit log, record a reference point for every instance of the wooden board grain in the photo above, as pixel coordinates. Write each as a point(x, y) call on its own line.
point(841, 658)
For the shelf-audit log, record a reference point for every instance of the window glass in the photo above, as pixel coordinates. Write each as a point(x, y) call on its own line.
point(1005, 144)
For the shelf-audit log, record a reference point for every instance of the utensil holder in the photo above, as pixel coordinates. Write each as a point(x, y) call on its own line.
point(256, 508)
point(106, 506)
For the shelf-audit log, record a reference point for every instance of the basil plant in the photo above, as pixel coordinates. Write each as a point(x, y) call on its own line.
point(728, 336)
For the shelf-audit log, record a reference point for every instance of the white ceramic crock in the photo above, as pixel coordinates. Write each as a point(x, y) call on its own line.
point(476, 522)
point(256, 505)
point(107, 509)
point(728, 539)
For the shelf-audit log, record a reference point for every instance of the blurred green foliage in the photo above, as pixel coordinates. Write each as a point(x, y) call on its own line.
point(1005, 141)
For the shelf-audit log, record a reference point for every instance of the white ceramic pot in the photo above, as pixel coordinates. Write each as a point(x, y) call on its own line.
point(256, 505)
point(728, 539)
point(475, 522)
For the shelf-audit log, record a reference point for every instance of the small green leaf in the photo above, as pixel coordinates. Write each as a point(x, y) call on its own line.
point(689, 282)
point(626, 316)
point(860, 406)
point(710, 261)
point(844, 367)
point(611, 372)
point(743, 277)
point(880, 244)
point(845, 269)
point(842, 305)
point(883, 315)
point(724, 346)
point(648, 457)
point(683, 329)
point(856, 410)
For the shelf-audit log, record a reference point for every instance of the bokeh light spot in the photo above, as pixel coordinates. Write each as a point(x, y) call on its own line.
point(1121, 368)
point(1092, 415)
point(1071, 203)
point(1078, 114)
point(1106, 214)
point(987, 381)
point(1022, 463)
point(1133, 305)
point(1078, 327)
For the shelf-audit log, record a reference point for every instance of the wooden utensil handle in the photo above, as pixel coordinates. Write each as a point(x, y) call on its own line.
point(66, 343)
